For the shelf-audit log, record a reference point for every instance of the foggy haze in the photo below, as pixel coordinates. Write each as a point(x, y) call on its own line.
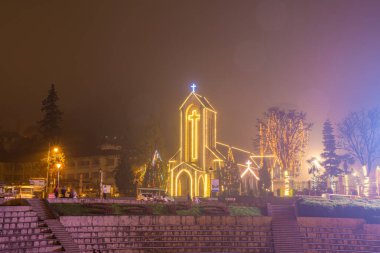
point(116, 63)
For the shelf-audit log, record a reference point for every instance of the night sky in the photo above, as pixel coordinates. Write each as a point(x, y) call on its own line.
point(118, 62)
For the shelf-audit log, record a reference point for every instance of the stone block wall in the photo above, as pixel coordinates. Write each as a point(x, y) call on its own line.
point(164, 220)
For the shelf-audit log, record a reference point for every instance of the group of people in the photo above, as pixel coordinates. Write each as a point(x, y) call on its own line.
point(196, 200)
point(71, 192)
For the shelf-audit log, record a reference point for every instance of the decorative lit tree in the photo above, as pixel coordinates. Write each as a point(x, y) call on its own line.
point(155, 175)
point(360, 137)
point(331, 160)
point(230, 176)
point(286, 133)
point(50, 125)
point(318, 179)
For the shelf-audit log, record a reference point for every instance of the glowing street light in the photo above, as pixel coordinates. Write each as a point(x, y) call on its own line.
point(59, 165)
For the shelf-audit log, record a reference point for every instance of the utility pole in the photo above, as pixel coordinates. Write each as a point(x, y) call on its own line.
point(101, 182)
point(47, 174)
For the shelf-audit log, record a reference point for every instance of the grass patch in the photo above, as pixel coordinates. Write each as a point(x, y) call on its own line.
point(193, 211)
point(77, 209)
point(244, 211)
point(73, 209)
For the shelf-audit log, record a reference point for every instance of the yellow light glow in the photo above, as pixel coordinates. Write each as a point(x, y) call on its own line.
point(287, 183)
point(171, 183)
point(365, 170)
point(366, 186)
point(195, 183)
point(194, 118)
point(214, 143)
point(201, 180)
point(181, 137)
point(199, 100)
point(56, 149)
point(206, 186)
point(191, 182)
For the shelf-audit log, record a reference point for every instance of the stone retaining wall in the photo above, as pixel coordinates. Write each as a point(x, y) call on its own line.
point(330, 222)
point(372, 228)
point(15, 208)
point(164, 220)
point(96, 201)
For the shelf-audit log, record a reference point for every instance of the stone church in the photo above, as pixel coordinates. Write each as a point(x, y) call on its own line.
point(193, 168)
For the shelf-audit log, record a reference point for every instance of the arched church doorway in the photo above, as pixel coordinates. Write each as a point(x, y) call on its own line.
point(201, 186)
point(249, 186)
point(183, 184)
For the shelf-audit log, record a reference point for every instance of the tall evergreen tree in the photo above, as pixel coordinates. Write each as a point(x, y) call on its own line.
point(125, 176)
point(230, 176)
point(331, 160)
point(265, 181)
point(50, 125)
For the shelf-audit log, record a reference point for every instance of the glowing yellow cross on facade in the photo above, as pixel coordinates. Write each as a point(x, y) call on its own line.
point(194, 117)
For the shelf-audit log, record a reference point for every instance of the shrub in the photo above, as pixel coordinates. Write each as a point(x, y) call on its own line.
point(339, 207)
point(373, 220)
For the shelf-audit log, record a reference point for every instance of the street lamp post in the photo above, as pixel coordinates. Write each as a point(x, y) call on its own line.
point(58, 167)
point(47, 174)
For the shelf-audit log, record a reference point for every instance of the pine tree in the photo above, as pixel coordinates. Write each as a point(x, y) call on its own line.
point(50, 124)
point(331, 160)
point(230, 176)
point(265, 181)
point(125, 177)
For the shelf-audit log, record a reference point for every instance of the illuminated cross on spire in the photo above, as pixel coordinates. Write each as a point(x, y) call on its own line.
point(193, 86)
point(249, 169)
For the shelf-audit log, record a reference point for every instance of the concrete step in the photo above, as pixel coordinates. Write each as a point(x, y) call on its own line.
point(63, 236)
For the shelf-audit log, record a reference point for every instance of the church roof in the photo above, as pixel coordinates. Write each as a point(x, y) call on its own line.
point(192, 166)
point(240, 156)
point(202, 100)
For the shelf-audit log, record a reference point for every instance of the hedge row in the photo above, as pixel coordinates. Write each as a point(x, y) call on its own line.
point(340, 208)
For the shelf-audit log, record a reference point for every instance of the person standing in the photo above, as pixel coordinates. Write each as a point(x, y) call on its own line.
point(63, 192)
point(56, 191)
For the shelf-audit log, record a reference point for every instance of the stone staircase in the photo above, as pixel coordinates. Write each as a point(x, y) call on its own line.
point(62, 236)
point(44, 213)
point(42, 209)
point(21, 230)
point(286, 235)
